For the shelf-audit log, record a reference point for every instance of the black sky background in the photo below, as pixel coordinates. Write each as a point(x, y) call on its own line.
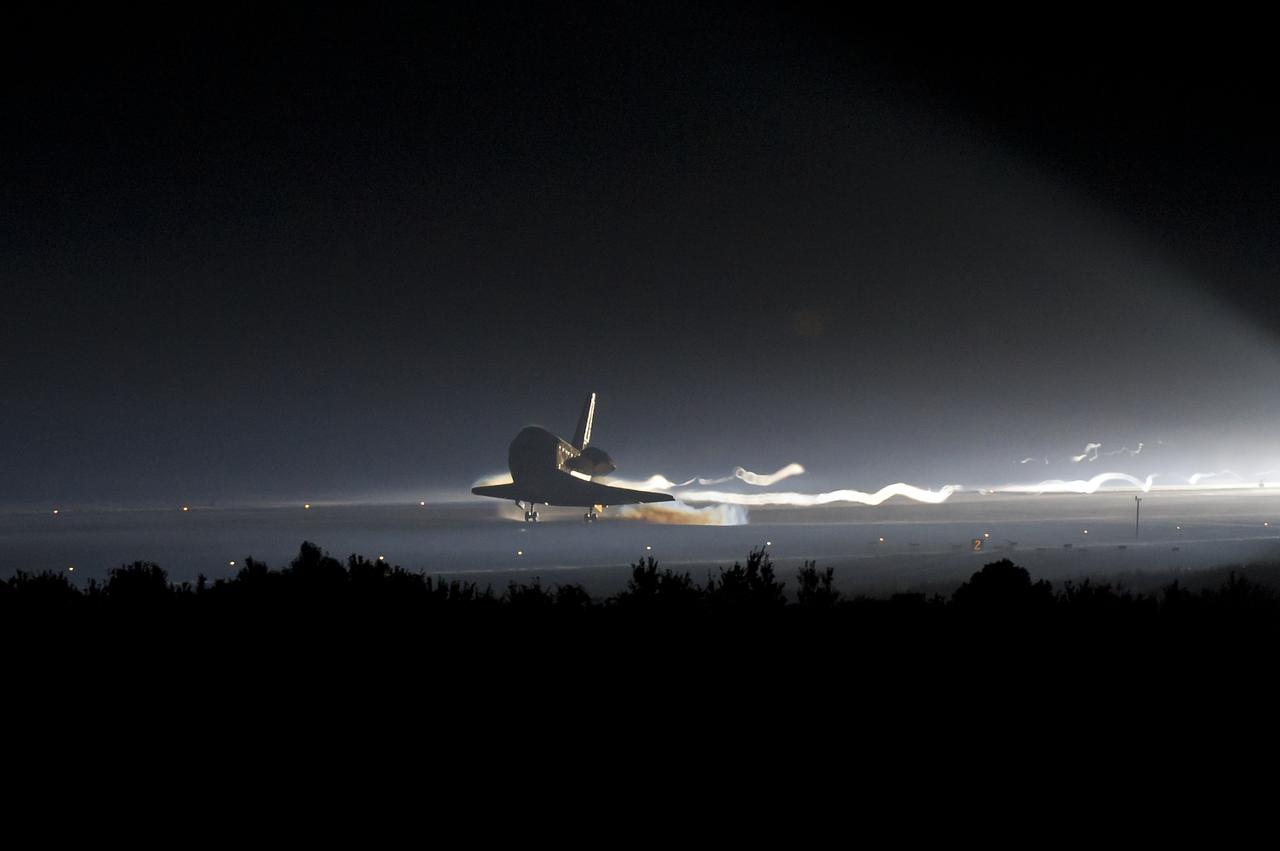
point(335, 252)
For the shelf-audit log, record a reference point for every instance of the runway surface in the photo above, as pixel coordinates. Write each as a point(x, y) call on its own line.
point(897, 546)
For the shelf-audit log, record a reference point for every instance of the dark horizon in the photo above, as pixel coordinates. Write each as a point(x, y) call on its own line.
point(324, 253)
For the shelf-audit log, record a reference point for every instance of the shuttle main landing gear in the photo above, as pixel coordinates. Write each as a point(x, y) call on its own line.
point(592, 513)
point(530, 513)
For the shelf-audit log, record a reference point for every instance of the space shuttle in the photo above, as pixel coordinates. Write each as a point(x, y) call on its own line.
point(548, 470)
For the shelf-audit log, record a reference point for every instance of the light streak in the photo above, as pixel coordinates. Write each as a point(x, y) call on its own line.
point(1124, 449)
point(1079, 485)
point(758, 479)
point(1090, 453)
point(662, 483)
point(1197, 478)
point(807, 499)
point(679, 514)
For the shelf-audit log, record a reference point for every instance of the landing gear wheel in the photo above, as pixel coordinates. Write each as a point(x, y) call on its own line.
point(590, 516)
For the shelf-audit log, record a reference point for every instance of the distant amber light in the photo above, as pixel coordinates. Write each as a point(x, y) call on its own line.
point(186, 508)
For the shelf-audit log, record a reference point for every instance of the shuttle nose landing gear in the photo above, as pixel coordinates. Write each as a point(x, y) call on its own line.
point(593, 513)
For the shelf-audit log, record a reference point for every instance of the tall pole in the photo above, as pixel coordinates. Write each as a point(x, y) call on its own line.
point(1137, 517)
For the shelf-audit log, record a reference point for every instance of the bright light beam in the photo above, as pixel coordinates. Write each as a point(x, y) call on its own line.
point(806, 499)
point(1079, 485)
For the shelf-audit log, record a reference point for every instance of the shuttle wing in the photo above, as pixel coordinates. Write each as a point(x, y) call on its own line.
point(563, 489)
point(507, 491)
point(574, 491)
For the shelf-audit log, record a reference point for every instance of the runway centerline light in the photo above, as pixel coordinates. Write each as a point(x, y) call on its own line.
point(647, 547)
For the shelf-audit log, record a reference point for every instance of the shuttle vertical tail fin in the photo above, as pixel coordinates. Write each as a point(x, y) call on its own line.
point(582, 435)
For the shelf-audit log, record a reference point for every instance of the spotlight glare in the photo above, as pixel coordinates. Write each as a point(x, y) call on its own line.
point(231, 563)
point(306, 505)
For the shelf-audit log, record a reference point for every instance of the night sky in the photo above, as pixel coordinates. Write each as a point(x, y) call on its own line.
point(338, 254)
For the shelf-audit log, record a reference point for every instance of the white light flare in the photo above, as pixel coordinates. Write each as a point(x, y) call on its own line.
point(787, 498)
point(662, 483)
point(1090, 453)
point(679, 514)
point(1079, 485)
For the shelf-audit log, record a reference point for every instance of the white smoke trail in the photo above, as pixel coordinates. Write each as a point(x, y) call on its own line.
point(1090, 453)
point(758, 479)
point(1197, 478)
point(656, 482)
point(662, 483)
point(808, 499)
point(1079, 485)
point(1124, 449)
point(679, 514)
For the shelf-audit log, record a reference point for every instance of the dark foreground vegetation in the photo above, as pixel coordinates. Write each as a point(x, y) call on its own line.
point(361, 634)
point(317, 585)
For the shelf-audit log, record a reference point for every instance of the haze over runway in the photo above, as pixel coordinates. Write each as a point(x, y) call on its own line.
point(340, 257)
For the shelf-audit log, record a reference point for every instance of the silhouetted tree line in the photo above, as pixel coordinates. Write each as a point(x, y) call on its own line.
point(315, 581)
